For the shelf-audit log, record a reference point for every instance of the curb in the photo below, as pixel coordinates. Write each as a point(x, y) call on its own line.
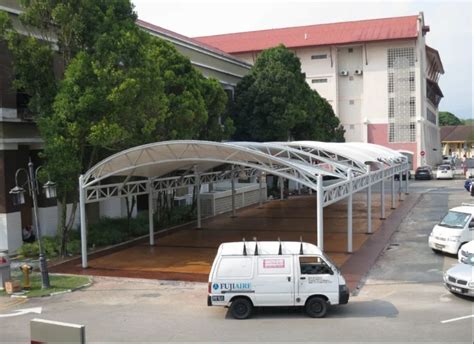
point(86, 285)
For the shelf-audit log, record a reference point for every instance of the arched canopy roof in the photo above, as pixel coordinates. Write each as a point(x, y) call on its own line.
point(300, 161)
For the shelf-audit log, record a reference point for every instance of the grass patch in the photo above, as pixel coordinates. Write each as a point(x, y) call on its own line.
point(58, 284)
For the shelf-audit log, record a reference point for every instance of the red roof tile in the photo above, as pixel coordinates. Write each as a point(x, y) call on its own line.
point(314, 35)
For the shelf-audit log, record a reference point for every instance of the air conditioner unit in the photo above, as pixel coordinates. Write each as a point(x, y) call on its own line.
point(358, 72)
point(344, 73)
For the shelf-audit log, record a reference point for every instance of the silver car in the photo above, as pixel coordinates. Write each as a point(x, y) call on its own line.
point(460, 279)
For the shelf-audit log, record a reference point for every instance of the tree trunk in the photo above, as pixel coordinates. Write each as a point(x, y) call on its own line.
point(130, 207)
point(65, 224)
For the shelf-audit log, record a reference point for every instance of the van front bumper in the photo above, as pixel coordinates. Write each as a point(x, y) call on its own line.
point(458, 289)
point(343, 294)
point(444, 245)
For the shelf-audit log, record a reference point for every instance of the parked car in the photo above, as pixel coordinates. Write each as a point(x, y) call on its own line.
point(447, 159)
point(444, 171)
point(272, 273)
point(460, 279)
point(404, 177)
point(455, 229)
point(467, 185)
point(424, 172)
point(466, 253)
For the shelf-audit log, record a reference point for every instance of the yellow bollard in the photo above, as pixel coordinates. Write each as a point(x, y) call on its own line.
point(26, 269)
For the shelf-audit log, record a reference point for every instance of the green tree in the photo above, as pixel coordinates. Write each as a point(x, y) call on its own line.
point(448, 118)
point(121, 87)
point(274, 102)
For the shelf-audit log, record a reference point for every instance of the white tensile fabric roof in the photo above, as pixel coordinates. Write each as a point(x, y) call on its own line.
point(301, 161)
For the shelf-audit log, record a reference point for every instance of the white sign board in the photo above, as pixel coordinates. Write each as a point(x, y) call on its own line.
point(47, 331)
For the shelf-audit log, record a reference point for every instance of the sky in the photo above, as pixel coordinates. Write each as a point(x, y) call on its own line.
point(450, 23)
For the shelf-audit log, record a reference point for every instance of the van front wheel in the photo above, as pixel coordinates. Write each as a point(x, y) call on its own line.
point(241, 308)
point(316, 307)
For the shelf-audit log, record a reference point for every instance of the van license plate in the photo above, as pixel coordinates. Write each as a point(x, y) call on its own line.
point(218, 298)
point(458, 290)
point(439, 246)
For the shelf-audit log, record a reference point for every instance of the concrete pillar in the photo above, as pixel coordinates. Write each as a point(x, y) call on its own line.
point(349, 213)
point(320, 213)
point(382, 195)
point(369, 203)
point(400, 186)
point(82, 209)
point(151, 228)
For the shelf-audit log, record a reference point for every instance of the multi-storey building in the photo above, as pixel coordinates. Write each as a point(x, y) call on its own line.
point(379, 76)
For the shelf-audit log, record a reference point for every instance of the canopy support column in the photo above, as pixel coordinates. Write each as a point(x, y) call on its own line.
point(407, 174)
point(260, 191)
point(282, 187)
point(82, 209)
point(349, 213)
point(392, 190)
point(369, 202)
point(198, 196)
point(382, 196)
point(400, 177)
point(319, 213)
point(150, 213)
point(232, 182)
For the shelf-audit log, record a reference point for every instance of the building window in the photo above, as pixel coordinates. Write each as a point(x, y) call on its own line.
point(400, 91)
point(412, 132)
point(351, 126)
point(412, 107)
point(350, 50)
point(412, 81)
point(319, 57)
point(351, 102)
point(398, 57)
point(430, 116)
point(390, 82)
point(319, 81)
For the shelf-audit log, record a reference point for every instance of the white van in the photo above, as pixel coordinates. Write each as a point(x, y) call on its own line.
point(455, 229)
point(273, 273)
point(466, 253)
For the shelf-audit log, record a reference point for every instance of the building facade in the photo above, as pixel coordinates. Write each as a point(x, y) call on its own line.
point(458, 141)
point(379, 76)
point(20, 140)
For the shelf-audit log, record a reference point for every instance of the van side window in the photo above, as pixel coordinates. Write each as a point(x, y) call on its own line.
point(314, 266)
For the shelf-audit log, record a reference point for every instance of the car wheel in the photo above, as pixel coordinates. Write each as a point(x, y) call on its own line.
point(316, 307)
point(241, 308)
point(436, 251)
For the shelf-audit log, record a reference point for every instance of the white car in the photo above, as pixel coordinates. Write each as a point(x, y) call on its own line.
point(460, 279)
point(466, 253)
point(455, 229)
point(272, 273)
point(444, 172)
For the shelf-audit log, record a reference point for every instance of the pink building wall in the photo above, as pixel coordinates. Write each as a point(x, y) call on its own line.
point(378, 134)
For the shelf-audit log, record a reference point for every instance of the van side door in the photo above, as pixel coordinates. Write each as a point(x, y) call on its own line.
point(274, 281)
point(315, 276)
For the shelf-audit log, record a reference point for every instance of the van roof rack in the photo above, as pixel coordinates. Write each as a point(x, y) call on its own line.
point(256, 247)
point(301, 245)
point(245, 249)
point(279, 247)
point(467, 204)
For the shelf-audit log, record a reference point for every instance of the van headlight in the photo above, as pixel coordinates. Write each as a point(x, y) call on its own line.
point(471, 284)
point(454, 238)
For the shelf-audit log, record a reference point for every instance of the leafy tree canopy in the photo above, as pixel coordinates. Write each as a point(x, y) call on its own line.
point(448, 118)
point(274, 102)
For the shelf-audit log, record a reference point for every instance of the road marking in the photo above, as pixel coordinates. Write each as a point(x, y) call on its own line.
point(17, 312)
point(456, 319)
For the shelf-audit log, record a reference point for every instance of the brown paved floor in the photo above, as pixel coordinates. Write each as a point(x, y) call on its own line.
point(188, 253)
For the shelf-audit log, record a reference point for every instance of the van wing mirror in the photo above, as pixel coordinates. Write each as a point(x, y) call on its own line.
point(471, 225)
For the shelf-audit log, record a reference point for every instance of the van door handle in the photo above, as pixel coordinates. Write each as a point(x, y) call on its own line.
point(289, 279)
point(303, 278)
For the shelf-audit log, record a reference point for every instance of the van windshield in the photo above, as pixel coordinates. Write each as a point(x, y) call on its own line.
point(326, 257)
point(454, 219)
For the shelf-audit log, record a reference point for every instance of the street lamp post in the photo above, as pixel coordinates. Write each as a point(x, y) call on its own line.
point(18, 196)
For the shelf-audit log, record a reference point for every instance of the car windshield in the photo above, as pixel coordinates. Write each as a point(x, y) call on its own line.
point(444, 167)
point(454, 219)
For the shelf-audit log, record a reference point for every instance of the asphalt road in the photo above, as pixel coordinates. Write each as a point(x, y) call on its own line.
point(403, 300)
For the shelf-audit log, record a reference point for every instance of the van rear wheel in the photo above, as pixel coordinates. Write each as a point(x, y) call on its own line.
point(316, 307)
point(241, 308)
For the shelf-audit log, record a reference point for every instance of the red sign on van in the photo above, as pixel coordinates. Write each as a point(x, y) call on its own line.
point(273, 263)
